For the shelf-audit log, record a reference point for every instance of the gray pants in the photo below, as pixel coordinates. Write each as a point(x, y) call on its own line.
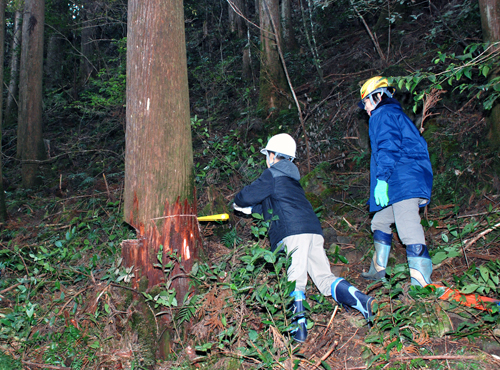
point(308, 256)
point(405, 215)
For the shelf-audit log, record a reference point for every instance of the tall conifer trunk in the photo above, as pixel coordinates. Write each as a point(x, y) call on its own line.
point(30, 147)
point(159, 185)
point(272, 76)
point(14, 69)
point(490, 24)
point(3, 208)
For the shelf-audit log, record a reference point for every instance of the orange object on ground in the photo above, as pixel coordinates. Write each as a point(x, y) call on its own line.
point(470, 300)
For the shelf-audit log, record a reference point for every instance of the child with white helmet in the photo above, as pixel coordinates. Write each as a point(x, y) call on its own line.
point(298, 229)
point(400, 181)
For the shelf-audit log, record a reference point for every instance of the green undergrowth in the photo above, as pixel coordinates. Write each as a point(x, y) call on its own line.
point(47, 270)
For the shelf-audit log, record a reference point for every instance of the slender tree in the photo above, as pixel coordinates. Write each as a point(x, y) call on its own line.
point(490, 24)
point(30, 147)
point(272, 77)
point(289, 40)
point(3, 209)
point(88, 35)
point(236, 21)
point(159, 196)
point(14, 68)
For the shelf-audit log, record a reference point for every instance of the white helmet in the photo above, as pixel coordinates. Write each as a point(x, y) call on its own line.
point(281, 144)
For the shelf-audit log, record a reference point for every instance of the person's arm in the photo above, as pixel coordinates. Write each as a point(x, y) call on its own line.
point(254, 194)
point(387, 140)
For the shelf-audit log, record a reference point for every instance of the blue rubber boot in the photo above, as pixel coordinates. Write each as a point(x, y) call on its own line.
point(420, 264)
point(380, 256)
point(299, 333)
point(344, 293)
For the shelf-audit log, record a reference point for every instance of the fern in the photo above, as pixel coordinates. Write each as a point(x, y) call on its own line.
point(8, 363)
point(230, 239)
point(77, 364)
point(188, 310)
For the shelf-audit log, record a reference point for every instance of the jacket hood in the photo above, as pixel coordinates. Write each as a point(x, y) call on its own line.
point(387, 101)
point(285, 168)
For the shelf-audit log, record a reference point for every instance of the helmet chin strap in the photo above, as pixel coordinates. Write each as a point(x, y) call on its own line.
point(381, 90)
point(269, 158)
point(274, 158)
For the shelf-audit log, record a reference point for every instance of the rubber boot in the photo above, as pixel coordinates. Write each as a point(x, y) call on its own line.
point(380, 256)
point(299, 333)
point(344, 293)
point(420, 264)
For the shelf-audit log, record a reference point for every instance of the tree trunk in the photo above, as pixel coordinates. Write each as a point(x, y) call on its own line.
point(246, 69)
point(3, 209)
point(87, 41)
point(30, 147)
point(289, 40)
point(14, 70)
point(490, 24)
point(159, 198)
point(53, 66)
point(272, 77)
point(236, 22)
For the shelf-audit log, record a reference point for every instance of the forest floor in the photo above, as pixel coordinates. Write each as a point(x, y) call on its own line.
point(82, 321)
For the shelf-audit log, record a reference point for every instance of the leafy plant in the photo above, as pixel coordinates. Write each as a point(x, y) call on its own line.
point(467, 72)
point(261, 283)
point(261, 227)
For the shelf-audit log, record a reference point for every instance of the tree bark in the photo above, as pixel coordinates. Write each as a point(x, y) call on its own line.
point(14, 70)
point(490, 24)
point(3, 208)
point(159, 199)
point(272, 77)
point(236, 22)
point(289, 40)
point(87, 40)
point(53, 71)
point(30, 147)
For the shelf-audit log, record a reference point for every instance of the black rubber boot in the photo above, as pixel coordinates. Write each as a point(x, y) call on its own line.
point(345, 293)
point(299, 332)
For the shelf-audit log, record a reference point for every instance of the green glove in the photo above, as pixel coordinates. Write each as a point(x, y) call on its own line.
point(381, 193)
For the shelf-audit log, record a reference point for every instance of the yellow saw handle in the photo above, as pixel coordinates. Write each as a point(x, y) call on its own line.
point(221, 217)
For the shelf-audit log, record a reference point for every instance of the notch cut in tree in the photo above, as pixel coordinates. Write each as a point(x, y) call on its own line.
point(177, 231)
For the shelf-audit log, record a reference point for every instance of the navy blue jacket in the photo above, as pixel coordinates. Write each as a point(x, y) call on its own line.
point(399, 155)
point(278, 189)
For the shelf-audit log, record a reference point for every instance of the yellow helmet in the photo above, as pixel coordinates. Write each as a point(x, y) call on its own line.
point(374, 85)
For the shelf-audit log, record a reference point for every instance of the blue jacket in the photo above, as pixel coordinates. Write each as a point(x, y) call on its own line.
point(399, 155)
point(278, 189)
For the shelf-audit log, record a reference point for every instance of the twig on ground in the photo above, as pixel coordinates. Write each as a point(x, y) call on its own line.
point(45, 366)
point(73, 297)
point(483, 257)
point(468, 243)
point(9, 288)
point(345, 344)
point(331, 319)
point(435, 357)
point(477, 214)
point(326, 355)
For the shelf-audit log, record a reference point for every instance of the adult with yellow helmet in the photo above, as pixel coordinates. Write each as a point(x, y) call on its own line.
point(400, 181)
